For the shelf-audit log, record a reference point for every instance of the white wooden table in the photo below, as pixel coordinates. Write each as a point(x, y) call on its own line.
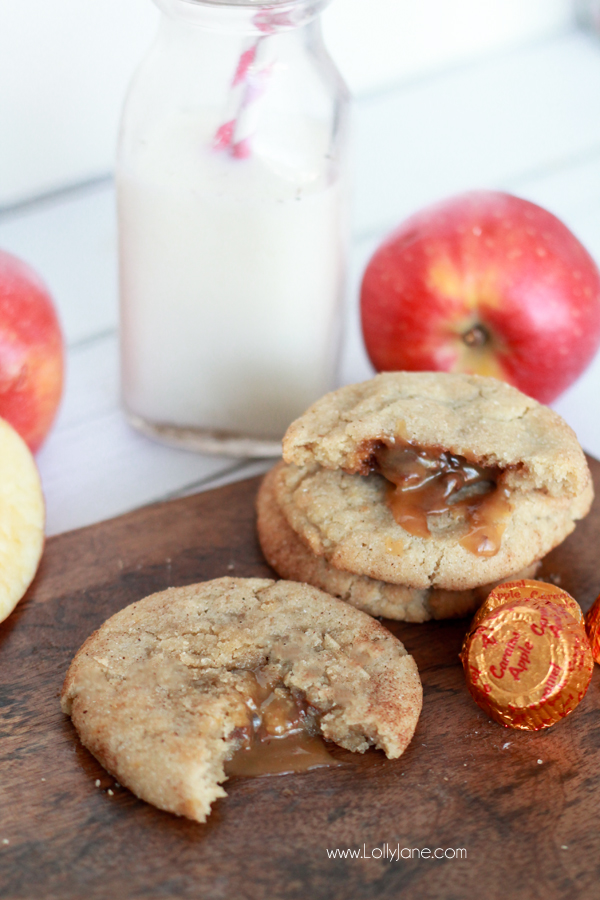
point(526, 121)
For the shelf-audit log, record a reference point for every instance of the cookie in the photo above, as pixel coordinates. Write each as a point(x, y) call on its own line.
point(162, 693)
point(292, 559)
point(477, 417)
point(514, 457)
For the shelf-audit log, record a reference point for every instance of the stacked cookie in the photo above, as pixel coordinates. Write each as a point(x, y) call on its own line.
point(413, 493)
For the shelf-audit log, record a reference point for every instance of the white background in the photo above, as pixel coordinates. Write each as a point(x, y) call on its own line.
point(65, 65)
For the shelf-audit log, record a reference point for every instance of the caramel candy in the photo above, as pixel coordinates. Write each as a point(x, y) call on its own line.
point(424, 483)
point(527, 659)
point(592, 627)
point(281, 735)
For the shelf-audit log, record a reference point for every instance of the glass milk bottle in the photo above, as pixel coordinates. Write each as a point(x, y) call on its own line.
point(231, 185)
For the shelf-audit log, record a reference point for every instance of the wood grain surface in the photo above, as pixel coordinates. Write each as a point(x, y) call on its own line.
point(525, 807)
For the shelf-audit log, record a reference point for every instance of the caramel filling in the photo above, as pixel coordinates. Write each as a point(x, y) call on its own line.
point(425, 484)
point(281, 735)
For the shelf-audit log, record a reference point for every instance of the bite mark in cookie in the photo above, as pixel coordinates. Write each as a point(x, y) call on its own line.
point(160, 693)
point(485, 420)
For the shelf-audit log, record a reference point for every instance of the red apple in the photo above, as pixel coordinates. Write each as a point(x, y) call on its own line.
point(31, 352)
point(484, 283)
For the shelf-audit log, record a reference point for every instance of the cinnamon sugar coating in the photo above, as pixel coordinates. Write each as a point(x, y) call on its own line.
point(157, 694)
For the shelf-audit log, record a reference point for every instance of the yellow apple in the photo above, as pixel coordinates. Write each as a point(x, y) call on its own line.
point(22, 516)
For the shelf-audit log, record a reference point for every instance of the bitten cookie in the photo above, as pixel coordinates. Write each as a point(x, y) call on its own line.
point(288, 555)
point(505, 478)
point(160, 693)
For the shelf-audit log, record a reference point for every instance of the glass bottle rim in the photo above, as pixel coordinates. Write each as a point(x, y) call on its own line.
point(250, 4)
point(280, 15)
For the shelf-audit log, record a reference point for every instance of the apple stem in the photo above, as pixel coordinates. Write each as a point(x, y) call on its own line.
point(477, 336)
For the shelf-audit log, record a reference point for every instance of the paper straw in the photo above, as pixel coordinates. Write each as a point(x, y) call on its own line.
point(248, 85)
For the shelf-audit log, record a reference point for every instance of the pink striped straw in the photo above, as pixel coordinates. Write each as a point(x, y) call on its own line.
point(248, 85)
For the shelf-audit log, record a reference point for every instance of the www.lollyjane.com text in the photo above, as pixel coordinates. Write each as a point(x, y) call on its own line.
point(395, 852)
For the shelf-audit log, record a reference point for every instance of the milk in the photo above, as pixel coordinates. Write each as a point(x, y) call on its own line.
point(231, 280)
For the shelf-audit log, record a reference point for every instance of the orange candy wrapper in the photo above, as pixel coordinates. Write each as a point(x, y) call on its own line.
point(524, 590)
point(527, 659)
point(592, 627)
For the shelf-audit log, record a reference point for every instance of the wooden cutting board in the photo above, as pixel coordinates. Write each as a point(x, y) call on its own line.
point(525, 807)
